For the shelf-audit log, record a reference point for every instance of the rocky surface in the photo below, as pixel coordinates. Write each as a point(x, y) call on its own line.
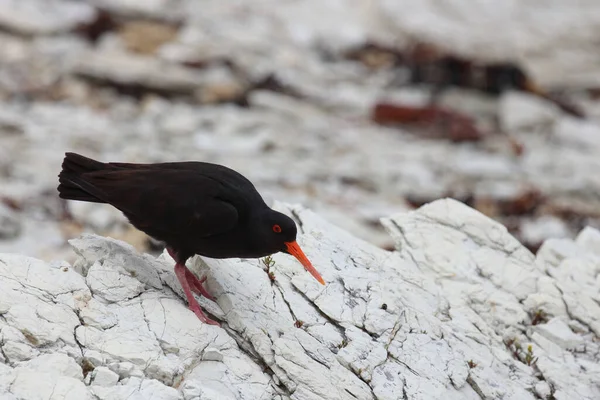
point(284, 92)
point(495, 105)
point(460, 310)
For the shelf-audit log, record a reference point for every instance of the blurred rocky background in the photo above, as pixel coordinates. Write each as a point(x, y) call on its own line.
point(357, 109)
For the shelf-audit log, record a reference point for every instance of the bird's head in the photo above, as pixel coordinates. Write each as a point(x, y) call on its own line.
point(280, 232)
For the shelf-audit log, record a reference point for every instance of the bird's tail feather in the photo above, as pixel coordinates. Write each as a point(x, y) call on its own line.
point(72, 185)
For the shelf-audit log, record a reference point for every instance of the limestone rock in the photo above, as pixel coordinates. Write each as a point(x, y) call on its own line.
point(520, 111)
point(126, 69)
point(460, 310)
point(31, 17)
point(10, 224)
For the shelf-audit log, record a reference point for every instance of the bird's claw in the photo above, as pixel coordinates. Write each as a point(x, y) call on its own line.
point(196, 285)
point(201, 316)
point(190, 283)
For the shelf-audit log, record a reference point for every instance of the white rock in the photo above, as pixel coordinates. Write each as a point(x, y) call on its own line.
point(535, 231)
point(441, 317)
point(559, 332)
point(112, 283)
point(30, 17)
point(580, 133)
point(57, 363)
point(486, 165)
point(35, 385)
point(92, 248)
point(360, 353)
point(136, 389)
point(102, 376)
point(129, 69)
point(520, 111)
point(129, 339)
point(49, 375)
point(543, 389)
point(93, 357)
point(96, 314)
point(182, 121)
point(7, 375)
point(160, 9)
point(34, 316)
point(589, 239)
point(124, 369)
point(488, 32)
point(548, 299)
point(464, 277)
point(17, 351)
point(212, 354)
point(575, 269)
point(554, 251)
point(10, 225)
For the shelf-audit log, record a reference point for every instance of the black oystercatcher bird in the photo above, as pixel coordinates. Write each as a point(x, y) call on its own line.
point(193, 207)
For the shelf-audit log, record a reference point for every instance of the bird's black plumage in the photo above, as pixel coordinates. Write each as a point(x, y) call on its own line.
point(194, 207)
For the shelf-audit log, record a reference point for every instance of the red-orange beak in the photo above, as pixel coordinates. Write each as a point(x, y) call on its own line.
point(296, 251)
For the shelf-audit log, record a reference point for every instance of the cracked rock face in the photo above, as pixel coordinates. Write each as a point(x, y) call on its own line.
point(460, 310)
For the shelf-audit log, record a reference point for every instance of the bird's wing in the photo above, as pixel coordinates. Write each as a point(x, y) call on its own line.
point(164, 202)
point(224, 174)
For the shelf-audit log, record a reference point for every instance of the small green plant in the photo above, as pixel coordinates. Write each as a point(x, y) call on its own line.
point(539, 317)
point(343, 344)
point(529, 358)
point(268, 262)
point(525, 356)
point(384, 306)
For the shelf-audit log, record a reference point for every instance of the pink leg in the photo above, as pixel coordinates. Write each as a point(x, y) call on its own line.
point(181, 272)
point(195, 283)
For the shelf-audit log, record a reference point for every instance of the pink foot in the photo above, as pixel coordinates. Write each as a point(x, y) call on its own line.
point(196, 284)
point(196, 309)
point(182, 274)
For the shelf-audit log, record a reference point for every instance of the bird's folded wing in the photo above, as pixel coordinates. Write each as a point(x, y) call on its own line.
point(165, 202)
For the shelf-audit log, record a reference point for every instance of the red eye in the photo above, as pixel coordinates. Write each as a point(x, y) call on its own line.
point(276, 229)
